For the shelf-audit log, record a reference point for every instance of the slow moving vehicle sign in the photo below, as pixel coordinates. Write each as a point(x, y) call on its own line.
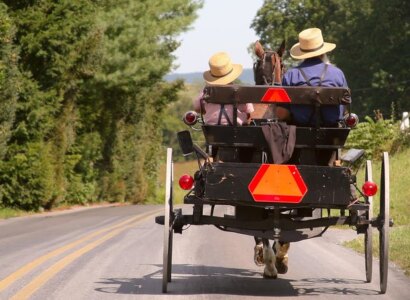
point(277, 183)
point(276, 95)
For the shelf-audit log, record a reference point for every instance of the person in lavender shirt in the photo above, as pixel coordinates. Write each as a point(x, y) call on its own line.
point(222, 72)
point(314, 70)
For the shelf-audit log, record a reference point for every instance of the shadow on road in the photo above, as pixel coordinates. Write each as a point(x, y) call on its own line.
point(199, 279)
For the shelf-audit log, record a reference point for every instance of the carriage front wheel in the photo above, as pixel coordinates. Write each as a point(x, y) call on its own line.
point(384, 222)
point(168, 223)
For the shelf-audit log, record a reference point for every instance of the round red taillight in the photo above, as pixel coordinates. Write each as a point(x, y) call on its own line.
point(186, 182)
point(190, 118)
point(369, 188)
point(351, 120)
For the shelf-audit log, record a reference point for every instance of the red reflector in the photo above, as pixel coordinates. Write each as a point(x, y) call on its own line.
point(186, 182)
point(369, 188)
point(190, 118)
point(276, 95)
point(351, 120)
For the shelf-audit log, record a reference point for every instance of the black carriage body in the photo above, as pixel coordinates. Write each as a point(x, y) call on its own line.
point(228, 183)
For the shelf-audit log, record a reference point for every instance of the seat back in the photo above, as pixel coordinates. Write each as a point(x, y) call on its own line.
point(252, 137)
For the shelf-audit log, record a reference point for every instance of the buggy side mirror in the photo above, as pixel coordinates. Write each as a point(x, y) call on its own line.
point(185, 142)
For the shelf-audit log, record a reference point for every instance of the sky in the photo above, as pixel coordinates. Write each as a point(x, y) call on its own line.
point(222, 25)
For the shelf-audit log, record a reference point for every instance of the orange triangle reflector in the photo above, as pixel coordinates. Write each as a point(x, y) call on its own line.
point(277, 183)
point(276, 95)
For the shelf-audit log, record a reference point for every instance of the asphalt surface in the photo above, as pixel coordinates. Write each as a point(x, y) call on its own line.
point(116, 253)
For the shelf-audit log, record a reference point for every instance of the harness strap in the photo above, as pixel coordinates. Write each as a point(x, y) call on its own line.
point(225, 114)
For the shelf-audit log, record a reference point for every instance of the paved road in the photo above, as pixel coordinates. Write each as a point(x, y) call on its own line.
point(116, 253)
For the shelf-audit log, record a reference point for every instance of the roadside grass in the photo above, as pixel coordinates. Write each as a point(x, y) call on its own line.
point(399, 211)
point(399, 243)
point(399, 187)
point(6, 213)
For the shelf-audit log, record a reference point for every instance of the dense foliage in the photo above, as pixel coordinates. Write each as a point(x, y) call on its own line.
point(378, 136)
point(9, 76)
point(81, 96)
point(372, 38)
point(173, 123)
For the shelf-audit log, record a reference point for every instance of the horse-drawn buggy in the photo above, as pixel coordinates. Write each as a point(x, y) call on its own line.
point(286, 201)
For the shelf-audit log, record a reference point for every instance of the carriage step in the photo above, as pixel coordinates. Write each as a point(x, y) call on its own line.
point(160, 220)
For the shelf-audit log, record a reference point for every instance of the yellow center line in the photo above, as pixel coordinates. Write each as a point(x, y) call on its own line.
point(35, 263)
point(46, 275)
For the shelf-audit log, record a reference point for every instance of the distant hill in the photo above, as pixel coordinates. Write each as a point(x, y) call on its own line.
point(246, 77)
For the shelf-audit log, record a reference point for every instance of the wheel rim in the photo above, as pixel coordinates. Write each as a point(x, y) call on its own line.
point(171, 221)
point(384, 222)
point(368, 237)
point(168, 230)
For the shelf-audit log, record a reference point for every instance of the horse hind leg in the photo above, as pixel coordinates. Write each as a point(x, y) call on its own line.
point(269, 257)
point(281, 250)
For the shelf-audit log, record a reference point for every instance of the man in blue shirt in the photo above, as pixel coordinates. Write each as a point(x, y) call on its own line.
point(314, 70)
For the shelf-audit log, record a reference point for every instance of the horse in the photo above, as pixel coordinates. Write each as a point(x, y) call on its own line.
point(268, 70)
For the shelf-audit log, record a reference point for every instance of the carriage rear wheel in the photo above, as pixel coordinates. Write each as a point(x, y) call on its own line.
point(368, 238)
point(384, 222)
point(168, 223)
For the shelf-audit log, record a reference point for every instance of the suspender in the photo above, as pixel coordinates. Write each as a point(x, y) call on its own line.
point(322, 76)
point(225, 114)
point(222, 112)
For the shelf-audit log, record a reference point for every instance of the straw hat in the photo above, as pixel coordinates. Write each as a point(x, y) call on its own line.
point(221, 69)
point(310, 44)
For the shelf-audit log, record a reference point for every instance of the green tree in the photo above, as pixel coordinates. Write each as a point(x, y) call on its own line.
point(172, 121)
point(9, 77)
point(90, 100)
point(57, 42)
point(370, 43)
point(128, 95)
point(389, 62)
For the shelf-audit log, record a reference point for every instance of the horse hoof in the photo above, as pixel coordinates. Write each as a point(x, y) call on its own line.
point(269, 276)
point(282, 265)
point(270, 273)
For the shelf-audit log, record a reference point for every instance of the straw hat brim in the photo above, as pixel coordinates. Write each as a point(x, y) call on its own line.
point(297, 53)
point(228, 78)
